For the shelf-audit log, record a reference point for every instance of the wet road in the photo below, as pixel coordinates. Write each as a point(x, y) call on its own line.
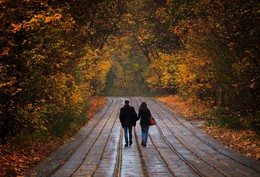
point(174, 148)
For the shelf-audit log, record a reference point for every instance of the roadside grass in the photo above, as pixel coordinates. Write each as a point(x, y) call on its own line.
point(231, 130)
point(22, 153)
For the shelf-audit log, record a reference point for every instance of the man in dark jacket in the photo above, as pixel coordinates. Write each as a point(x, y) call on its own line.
point(128, 118)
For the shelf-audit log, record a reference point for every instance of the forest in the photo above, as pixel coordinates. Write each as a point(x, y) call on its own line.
point(56, 54)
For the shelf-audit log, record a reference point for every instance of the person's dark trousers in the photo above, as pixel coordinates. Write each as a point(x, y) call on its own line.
point(128, 132)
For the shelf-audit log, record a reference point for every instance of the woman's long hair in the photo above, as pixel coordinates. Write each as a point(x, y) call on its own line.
point(143, 106)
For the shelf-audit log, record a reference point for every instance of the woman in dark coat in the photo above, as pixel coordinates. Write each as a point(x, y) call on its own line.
point(145, 114)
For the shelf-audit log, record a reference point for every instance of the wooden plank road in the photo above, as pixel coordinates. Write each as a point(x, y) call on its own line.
point(174, 148)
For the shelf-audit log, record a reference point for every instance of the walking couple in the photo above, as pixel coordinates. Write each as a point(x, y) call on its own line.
point(128, 118)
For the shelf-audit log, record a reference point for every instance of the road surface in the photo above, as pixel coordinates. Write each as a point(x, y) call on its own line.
point(174, 148)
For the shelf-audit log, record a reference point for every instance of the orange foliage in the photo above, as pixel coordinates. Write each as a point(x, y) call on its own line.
point(96, 103)
point(244, 141)
point(16, 159)
point(188, 108)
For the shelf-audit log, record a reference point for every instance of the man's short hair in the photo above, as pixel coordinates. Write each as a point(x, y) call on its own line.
point(126, 101)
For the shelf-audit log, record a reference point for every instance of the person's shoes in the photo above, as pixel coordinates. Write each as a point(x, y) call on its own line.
point(126, 144)
point(130, 143)
point(142, 143)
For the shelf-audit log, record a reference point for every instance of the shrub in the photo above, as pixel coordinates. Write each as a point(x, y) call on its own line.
point(229, 121)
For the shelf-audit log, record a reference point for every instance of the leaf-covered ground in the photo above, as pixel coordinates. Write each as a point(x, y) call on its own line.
point(16, 159)
point(247, 142)
point(244, 141)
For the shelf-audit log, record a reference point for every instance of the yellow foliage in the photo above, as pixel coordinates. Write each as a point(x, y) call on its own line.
point(193, 74)
point(184, 75)
point(163, 71)
point(75, 98)
point(152, 81)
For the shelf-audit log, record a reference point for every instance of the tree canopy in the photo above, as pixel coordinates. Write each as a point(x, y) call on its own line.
point(56, 54)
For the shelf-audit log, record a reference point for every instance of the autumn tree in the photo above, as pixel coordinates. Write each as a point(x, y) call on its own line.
point(55, 54)
point(219, 50)
point(201, 49)
point(50, 61)
point(31, 41)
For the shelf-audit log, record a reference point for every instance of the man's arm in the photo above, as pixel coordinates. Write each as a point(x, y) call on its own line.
point(121, 114)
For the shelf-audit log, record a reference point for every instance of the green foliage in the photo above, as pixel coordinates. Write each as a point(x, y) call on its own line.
point(224, 119)
point(68, 121)
point(127, 74)
point(60, 126)
point(232, 122)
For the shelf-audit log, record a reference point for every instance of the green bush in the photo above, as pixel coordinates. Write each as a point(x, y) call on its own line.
point(231, 121)
point(223, 118)
point(67, 124)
